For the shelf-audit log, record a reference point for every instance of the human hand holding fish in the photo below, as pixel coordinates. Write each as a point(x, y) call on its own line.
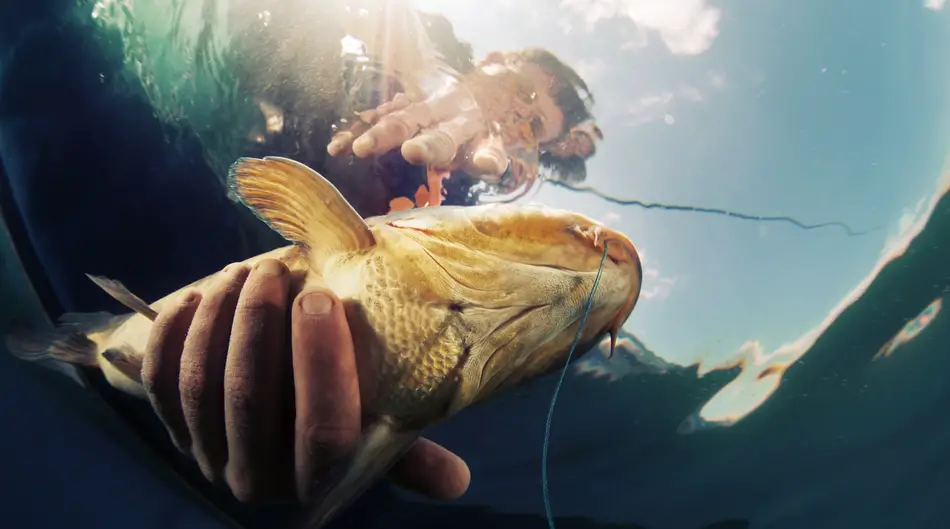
point(212, 380)
point(446, 306)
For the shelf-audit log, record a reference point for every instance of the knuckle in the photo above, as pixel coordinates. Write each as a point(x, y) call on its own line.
point(209, 312)
point(270, 268)
point(234, 269)
point(214, 299)
point(233, 276)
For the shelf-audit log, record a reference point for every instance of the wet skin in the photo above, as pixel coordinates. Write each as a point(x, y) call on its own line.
point(215, 391)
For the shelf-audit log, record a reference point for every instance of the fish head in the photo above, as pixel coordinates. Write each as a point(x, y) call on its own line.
point(519, 279)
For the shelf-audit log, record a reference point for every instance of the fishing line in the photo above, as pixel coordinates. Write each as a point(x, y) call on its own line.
point(557, 389)
point(715, 211)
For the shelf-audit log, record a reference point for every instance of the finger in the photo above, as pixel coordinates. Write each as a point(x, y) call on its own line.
point(202, 370)
point(326, 386)
point(488, 157)
point(398, 102)
point(342, 143)
point(433, 471)
point(398, 127)
point(161, 365)
point(258, 431)
point(439, 145)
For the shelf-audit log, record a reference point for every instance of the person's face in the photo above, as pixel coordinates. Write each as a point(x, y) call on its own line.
point(575, 143)
point(550, 116)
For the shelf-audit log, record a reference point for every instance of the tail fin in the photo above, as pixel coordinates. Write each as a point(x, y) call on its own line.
point(381, 446)
point(68, 342)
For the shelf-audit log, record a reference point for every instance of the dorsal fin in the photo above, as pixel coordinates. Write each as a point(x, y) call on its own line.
point(301, 205)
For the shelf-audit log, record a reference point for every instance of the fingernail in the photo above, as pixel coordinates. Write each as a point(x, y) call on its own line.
point(339, 143)
point(490, 162)
point(271, 267)
point(237, 270)
point(364, 143)
point(317, 304)
point(416, 152)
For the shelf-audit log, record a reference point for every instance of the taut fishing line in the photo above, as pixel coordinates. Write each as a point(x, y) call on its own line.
point(557, 389)
point(715, 211)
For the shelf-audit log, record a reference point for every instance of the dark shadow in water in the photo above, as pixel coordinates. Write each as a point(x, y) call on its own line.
point(385, 511)
point(480, 518)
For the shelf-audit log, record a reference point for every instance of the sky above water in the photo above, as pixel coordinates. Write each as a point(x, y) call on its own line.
point(823, 111)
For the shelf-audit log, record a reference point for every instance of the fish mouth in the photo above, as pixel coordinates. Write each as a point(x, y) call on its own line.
point(620, 250)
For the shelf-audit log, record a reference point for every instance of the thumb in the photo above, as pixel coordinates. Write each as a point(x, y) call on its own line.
point(326, 386)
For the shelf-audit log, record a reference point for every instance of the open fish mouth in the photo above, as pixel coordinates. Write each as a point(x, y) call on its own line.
point(620, 249)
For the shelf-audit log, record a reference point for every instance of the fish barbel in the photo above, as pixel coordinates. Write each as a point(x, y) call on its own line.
point(446, 305)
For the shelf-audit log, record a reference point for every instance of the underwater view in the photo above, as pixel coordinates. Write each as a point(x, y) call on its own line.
point(419, 264)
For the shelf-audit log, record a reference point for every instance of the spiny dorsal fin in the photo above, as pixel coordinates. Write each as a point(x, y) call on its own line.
point(301, 205)
point(124, 296)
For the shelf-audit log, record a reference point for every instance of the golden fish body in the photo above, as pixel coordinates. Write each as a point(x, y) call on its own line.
point(446, 305)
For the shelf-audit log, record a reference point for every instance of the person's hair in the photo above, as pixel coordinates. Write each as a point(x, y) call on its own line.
point(456, 53)
point(570, 169)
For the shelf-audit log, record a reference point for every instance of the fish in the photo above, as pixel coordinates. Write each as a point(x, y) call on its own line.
point(447, 305)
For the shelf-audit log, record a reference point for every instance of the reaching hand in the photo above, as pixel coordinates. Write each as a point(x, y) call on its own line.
point(475, 125)
point(217, 377)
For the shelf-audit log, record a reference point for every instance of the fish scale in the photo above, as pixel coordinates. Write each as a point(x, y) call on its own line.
point(416, 347)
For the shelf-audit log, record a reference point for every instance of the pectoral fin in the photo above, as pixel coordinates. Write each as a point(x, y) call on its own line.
point(301, 205)
point(381, 445)
point(124, 296)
